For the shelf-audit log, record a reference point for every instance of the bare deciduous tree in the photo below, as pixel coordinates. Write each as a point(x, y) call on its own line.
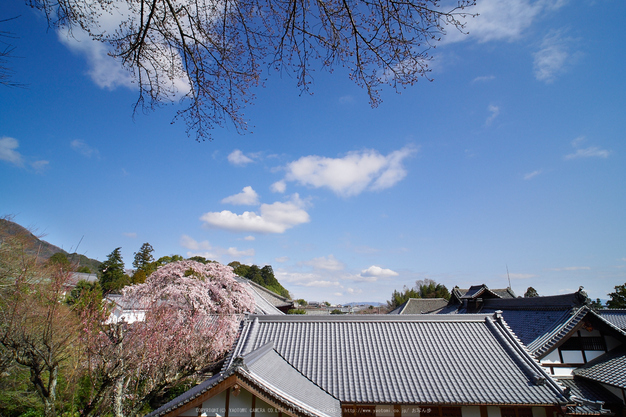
point(209, 53)
point(37, 330)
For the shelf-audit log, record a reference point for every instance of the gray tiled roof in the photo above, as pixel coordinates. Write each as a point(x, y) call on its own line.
point(261, 303)
point(607, 369)
point(551, 302)
point(265, 369)
point(544, 344)
point(421, 306)
point(593, 396)
point(269, 296)
point(81, 276)
point(530, 325)
point(616, 317)
point(539, 322)
point(406, 359)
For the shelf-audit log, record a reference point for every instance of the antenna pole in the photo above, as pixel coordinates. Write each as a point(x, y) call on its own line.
point(507, 275)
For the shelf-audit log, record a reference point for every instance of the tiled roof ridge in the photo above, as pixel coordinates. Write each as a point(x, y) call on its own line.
point(533, 370)
point(599, 316)
point(272, 293)
point(355, 318)
point(192, 394)
point(244, 373)
point(403, 306)
point(541, 345)
point(243, 330)
point(251, 357)
point(279, 394)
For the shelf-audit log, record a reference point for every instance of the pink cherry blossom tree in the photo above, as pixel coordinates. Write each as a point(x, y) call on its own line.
point(192, 316)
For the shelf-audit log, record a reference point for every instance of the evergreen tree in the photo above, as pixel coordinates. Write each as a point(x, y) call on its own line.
point(144, 263)
point(112, 276)
point(398, 298)
point(144, 257)
point(60, 260)
point(262, 276)
point(430, 289)
point(531, 292)
point(618, 298)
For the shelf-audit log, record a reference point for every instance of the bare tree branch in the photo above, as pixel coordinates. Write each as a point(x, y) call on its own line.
point(219, 49)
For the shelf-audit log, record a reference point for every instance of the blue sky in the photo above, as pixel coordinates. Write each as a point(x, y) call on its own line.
point(514, 156)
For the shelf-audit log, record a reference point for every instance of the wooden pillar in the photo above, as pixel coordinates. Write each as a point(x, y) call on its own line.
point(227, 402)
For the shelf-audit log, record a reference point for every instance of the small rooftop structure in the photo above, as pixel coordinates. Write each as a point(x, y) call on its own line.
point(421, 306)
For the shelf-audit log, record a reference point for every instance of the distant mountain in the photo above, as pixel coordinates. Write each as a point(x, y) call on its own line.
point(365, 303)
point(41, 248)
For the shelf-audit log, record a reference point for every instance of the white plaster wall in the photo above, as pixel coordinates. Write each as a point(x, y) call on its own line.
point(493, 411)
point(473, 411)
point(539, 412)
point(214, 405)
point(263, 409)
point(592, 354)
point(384, 411)
point(563, 371)
point(552, 357)
point(572, 356)
point(240, 405)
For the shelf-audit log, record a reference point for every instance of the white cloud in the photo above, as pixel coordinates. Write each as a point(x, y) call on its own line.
point(330, 264)
point(499, 20)
point(279, 187)
point(304, 279)
point(40, 165)
point(590, 152)
point(273, 218)
point(378, 272)
point(552, 58)
point(351, 174)
point(84, 149)
point(107, 71)
point(104, 70)
point(8, 151)
point(249, 238)
point(247, 197)
point(235, 253)
point(531, 175)
point(131, 235)
point(282, 259)
point(237, 158)
point(188, 242)
point(519, 276)
point(205, 249)
point(495, 111)
point(484, 78)
point(570, 268)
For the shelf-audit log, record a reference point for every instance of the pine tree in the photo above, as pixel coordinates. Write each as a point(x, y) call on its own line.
point(112, 276)
point(618, 298)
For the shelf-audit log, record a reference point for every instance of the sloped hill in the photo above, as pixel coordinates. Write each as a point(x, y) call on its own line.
point(44, 250)
point(33, 244)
